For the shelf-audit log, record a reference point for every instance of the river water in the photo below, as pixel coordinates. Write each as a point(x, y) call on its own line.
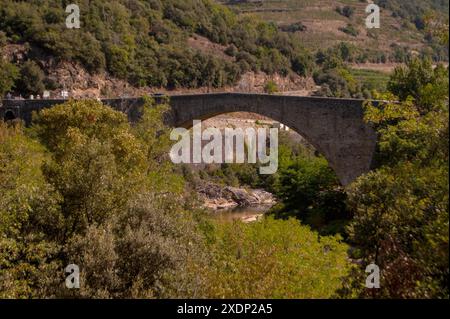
point(245, 214)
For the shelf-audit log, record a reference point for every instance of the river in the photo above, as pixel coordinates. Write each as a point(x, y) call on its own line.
point(245, 214)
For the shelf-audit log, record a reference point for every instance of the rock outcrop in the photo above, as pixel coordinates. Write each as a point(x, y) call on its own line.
point(218, 197)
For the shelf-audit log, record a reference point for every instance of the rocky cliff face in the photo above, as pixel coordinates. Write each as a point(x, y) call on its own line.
point(81, 84)
point(71, 76)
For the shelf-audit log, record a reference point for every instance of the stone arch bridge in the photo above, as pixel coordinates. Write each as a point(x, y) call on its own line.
point(335, 127)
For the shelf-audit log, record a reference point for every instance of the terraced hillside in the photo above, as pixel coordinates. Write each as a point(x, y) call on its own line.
point(401, 29)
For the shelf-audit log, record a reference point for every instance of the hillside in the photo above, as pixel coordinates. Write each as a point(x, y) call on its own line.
point(325, 21)
point(132, 47)
point(141, 43)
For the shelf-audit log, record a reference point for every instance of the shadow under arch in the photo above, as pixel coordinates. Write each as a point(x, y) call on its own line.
point(252, 117)
point(9, 116)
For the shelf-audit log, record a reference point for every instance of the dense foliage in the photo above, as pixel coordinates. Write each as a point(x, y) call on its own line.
point(83, 186)
point(8, 75)
point(309, 190)
point(401, 209)
point(395, 216)
point(82, 191)
point(305, 186)
point(270, 259)
point(145, 42)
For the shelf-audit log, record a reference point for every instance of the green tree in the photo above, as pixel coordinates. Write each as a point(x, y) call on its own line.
point(8, 75)
point(88, 192)
point(83, 186)
point(3, 39)
point(420, 80)
point(401, 209)
point(29, 218)
point(265, 260)
point(111, 39)
point(31, 79)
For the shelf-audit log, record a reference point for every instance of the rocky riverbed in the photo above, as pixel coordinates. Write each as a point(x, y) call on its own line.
point(217, 197)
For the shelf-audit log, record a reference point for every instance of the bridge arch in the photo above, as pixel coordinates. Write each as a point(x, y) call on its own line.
point(335, 127)
point(302, 135)
point(9, 116)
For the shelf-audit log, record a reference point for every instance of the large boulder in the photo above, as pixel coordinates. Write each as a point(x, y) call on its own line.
point(252, 197)
point(222, 197)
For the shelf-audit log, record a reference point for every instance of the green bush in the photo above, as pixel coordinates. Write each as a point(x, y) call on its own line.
point(264, 260)
point(83, 186)
point(9, 73)
point(295, 27)
point(31, 79)
point(421, 81)
point(3, 39)
point(271, 87)
point(350, 30)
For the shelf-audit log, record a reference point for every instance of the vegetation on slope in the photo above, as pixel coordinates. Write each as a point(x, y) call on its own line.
point(323, 23)
point(395, 216)
point(83, 186)
point(145, 42)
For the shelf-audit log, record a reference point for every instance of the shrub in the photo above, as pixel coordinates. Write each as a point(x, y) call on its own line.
point(31, 79)
point(350, 30)
point(295, 27)
point(9, 73)
point(264, 260)
point(93, 197)
point(3, 38)
point(346, 11)
point(271, 87)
